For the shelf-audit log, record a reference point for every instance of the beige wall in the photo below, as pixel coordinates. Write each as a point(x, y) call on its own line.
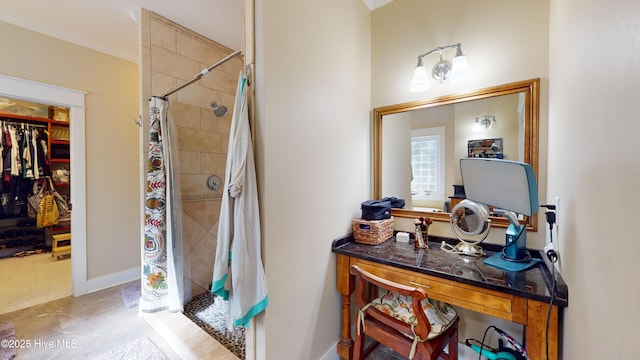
point(505, 109)
point(111, 137)
point(598, 184)
point(171, 56)
point(403, 29)
point(313, 140)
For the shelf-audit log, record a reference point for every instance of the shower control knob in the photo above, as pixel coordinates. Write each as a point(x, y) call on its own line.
point(213, 182)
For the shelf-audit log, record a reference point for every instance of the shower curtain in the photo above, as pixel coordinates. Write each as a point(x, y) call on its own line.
point(164, 267)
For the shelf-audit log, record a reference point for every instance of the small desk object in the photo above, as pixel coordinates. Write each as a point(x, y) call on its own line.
point(521, 297)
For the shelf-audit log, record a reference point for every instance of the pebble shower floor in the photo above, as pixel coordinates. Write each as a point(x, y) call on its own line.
point(209, 313)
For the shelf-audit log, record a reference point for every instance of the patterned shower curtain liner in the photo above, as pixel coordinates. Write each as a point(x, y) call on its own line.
point(163, 262)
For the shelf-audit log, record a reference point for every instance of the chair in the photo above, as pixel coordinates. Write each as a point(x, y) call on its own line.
point(403, 319)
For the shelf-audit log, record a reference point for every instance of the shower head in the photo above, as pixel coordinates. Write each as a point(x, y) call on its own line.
point(219, 110)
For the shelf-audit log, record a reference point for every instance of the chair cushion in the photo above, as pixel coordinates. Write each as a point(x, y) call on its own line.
point(441, 315)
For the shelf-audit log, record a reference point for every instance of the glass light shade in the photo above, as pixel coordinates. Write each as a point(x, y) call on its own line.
point(476, 126)
point(420, 81)
point(460, 68)
point(485, 122)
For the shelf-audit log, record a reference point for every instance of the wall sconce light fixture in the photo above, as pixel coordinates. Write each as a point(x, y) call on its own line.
point(484, 122)
point(442, 70)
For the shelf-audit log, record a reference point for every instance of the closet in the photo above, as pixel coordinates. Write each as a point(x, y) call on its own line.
point(34, 148)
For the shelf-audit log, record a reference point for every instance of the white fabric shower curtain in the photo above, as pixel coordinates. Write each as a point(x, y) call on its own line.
point(164, 265)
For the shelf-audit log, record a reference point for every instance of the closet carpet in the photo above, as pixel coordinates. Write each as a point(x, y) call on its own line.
point(30, 280)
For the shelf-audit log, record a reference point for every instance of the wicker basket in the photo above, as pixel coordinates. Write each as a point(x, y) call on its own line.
point(372, 232)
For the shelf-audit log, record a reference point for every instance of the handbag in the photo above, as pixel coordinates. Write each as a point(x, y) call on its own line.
point(63, 207)
point(47, 211)
point(33, 201)
point(47, 187)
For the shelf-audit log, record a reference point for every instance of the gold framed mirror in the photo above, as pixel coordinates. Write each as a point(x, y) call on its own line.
point(515, 108)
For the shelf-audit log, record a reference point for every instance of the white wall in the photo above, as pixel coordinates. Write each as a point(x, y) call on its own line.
point(594, 166)
point(313, 154)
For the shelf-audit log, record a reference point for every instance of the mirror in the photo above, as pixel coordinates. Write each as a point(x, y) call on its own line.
point(452, 118)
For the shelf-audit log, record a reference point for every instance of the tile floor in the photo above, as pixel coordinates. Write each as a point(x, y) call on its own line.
point(98, 322)
point(93, 324)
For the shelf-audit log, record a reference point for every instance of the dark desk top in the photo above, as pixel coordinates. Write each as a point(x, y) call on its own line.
point(531, 284)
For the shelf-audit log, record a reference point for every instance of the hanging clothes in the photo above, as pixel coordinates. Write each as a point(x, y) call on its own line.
point(238, 273)
point(23, 149)
point(15, 152)
point(36, 163)
point(163, 285)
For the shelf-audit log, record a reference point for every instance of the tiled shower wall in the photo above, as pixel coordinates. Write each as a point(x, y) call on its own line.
point(172, 55)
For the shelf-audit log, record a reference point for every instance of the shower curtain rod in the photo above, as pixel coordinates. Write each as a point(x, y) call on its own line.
point(204, 72)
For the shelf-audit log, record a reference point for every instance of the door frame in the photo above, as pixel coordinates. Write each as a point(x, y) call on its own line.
point(43, 93)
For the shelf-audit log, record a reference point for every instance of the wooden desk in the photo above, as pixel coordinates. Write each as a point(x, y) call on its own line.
point(466, 282)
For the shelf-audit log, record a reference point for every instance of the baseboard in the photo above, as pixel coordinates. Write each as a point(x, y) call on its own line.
point(464, 353)
point(331, 354)
point(111, 280)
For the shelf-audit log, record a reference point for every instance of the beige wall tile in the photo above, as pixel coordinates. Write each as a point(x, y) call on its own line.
point(145, 28)
point(224, 144)
point(187, 139)
point(210, 141)
point(213, 195)
point(199, 140)
point(172, 64)
point(195, 95)
point(232, 66)
point(161, 84)
point(213, 164)
point(222, 80)
point(185, 115)
point(192, 232)
point(193, 186)
point(201, 259)
point(206, 213)
point(145, 73)
point(209, 121)
point(198, 50)
point(162, 35)
point(189, 162)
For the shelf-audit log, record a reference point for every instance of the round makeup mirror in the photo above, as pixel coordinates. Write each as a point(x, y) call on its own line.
point(470, 224)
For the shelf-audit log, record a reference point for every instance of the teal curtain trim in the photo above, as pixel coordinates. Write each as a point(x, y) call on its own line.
point(255, 310)
point(217, 288)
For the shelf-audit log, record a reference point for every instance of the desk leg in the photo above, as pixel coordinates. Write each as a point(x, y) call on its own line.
point(535, 331)
point(345, 285)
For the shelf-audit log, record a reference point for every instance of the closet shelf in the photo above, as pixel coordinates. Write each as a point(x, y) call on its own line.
point(59, 141)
